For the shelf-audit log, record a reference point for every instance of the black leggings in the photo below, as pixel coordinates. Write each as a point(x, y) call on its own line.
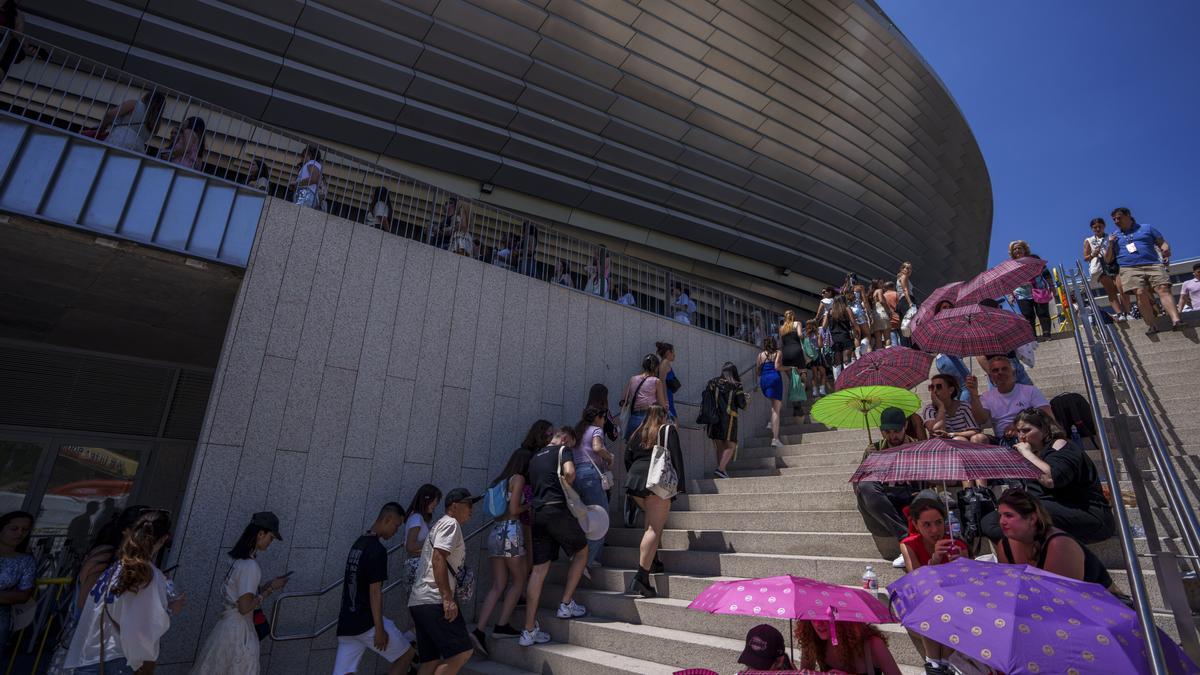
point(1041, 311)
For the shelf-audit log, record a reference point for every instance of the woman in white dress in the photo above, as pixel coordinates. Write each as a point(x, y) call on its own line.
point(232, 646)
point(131, 125)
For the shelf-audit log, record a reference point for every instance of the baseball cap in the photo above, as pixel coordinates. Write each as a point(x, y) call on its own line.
point(460, 495)
point(892, 419)
point(267, 521)
point(764, 644)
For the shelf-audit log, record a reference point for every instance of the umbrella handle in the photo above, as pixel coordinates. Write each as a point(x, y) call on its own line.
point(832, 625)
point(867, 424)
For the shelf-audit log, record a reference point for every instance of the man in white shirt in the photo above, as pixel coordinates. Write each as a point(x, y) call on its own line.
point(1005, 401)
point(627, 297)
point(1189, 293)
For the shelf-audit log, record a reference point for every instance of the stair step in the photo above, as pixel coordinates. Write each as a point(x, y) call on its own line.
point(771, 501)
point(570, 658)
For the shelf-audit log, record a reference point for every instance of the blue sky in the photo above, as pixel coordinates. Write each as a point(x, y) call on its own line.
point(1079, 106)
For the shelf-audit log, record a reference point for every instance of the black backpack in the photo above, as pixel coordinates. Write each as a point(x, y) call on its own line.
point(973, 505)
point(1073, 410)
point(709, 412)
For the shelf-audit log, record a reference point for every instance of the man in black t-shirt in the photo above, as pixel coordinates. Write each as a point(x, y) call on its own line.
point(361, 624)
point(554, 527)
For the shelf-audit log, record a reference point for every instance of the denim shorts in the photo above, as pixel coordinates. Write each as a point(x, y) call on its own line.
point(506, 540)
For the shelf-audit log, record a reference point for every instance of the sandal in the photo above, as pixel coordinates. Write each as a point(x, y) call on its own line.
point(1178, 325)
point(1152, 330)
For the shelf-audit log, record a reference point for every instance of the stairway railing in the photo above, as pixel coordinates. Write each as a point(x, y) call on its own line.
point(1108, 358)
point(295, 595)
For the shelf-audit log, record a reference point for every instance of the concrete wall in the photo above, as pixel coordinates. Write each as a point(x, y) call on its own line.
point(359, 365)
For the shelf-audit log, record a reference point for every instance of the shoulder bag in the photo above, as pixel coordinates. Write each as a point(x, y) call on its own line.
point(627, 411)
point(574, 504)
point(464, 576)
point(906, 322)
point(662, 479)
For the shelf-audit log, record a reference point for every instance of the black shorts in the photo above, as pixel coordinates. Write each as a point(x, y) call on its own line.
point(437, 638)
point(553, 528)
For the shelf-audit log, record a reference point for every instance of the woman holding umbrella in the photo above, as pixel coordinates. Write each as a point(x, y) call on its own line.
point(931, 545)
point(860, 648)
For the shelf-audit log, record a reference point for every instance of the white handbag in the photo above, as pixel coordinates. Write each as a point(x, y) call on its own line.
point(662, 479)
point(906, 322)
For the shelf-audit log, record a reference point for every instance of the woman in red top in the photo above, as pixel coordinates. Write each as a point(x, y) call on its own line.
point(931, 545)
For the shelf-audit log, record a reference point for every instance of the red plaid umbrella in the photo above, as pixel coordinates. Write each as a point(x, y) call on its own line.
point(940, 459)
point(972, 331)
point(947, 292)
point(896, 367)
point(1000, 280)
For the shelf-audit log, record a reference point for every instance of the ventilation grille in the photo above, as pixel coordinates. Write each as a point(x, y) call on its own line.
point(62, 390)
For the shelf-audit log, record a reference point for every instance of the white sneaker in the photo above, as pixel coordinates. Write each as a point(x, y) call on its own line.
point(898, 563)
point(776, 443)
point(536, 636)
point(571, 611)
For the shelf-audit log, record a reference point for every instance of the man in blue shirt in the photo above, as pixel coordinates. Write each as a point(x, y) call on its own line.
point(1137, 248)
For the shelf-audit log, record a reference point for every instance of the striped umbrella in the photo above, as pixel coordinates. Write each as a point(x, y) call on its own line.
point(928, 307)
point(896, 367)
point(1000, 280)
point(940, 459)
point(973, 330)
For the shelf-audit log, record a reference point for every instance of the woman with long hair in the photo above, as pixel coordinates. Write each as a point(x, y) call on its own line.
point(731, 398)
point(860, 648)
point(930, 545)
point(904, 291)
point(418, 518)
point(17, 567)
point(537, 437)
point(643, 390)
point(816, 360)
point(187, 146)
point(1030, 538)
point(593, 462)
point(666, 373)
point(790, 341)
point(1033, 299)
point(506, 550)
point(947, 416)
point(655, 429)
point(1107, 274)
point(840, 323)
point(770, 364)
point(309, 178)
point(232, 646)
point(127, 610)
point(882, 318)
point(598, 397)
point(860, 308)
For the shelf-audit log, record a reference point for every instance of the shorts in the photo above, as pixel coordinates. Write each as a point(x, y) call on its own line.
point(553, 528)
point(1144, 276)
point(506, 540)
point(437, 638)
point(351, 647)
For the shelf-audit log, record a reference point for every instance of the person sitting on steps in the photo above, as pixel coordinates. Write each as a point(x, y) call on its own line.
point(881, 503)
point(931, 545)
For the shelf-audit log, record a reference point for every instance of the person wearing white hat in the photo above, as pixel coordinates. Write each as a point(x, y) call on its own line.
point(555, 527)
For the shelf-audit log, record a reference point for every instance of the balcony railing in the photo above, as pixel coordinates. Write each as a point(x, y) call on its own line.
point(58, 87)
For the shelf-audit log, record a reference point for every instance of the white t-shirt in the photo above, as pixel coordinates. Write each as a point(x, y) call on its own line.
point(1191, 289)
point(1004, 408)
point(142, 615)
point(415, 520)
point(446, 534)
point(307, 171)
point(244, 577)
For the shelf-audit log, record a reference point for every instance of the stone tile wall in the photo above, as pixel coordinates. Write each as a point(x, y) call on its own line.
point(359, 365)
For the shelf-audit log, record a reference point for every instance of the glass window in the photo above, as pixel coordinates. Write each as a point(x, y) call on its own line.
point(87, 486)
point(18, 464)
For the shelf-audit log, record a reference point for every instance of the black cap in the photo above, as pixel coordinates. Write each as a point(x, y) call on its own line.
point(460, 495)
point(764, 645)
point(893, 419)
point(267, 521)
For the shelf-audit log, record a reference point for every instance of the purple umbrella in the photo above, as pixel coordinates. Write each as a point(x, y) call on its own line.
point(1020, 619)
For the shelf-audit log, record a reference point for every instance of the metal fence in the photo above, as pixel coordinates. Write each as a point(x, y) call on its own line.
point(61, 88)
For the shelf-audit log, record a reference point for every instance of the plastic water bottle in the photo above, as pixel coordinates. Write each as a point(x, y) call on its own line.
point(1075, 438)
point(955, 526)
point(870, 581)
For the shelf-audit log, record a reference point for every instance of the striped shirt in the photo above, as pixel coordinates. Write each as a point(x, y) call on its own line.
point(959, 420)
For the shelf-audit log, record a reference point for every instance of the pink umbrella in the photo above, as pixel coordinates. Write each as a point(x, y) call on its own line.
point(1000, 280)
point(972, 330)
point(947, 293)
point(789, 597)
point(896, 367)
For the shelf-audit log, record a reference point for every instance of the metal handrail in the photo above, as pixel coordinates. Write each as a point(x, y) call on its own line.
point(1128, 549)
point(73, 92)
point(336, 584)
point(1177, 498)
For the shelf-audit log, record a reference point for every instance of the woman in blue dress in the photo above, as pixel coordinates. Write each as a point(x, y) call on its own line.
point(769, 366)
point(666, 373)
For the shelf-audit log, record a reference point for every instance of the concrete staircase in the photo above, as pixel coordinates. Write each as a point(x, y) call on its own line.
point(785, 510)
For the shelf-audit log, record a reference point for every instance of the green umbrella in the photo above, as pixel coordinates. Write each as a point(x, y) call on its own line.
point(861, 407)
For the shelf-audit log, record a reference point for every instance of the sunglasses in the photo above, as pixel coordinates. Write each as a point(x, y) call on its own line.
point(936, 386)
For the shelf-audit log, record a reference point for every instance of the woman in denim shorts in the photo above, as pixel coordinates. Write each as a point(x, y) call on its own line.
point(506, 549)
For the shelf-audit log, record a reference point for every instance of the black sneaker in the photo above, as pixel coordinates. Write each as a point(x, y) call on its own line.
point(480, 641)
point(505, 630)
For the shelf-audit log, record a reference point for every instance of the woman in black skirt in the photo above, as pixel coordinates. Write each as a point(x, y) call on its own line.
point(654, 430)
point(730, 397)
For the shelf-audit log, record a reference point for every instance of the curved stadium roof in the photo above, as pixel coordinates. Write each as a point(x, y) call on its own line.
point(806, 134)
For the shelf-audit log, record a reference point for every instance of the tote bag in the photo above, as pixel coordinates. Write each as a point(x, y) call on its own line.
point(662, 479)
point(574, 504)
